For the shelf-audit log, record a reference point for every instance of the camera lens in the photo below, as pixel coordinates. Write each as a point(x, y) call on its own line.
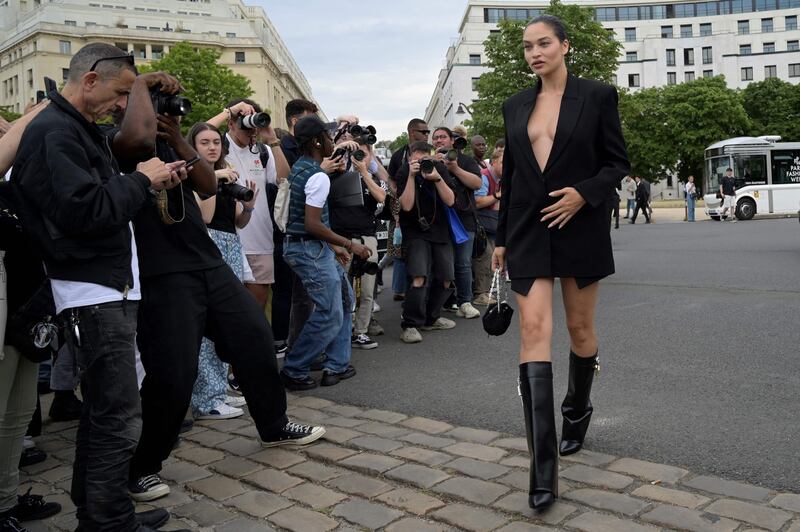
point(359, 155)
point(356, 130)
point(426, 166)
point(237, 192)
point(256, 120)
point(460, 143)
point(452, 155)
point(368, 139)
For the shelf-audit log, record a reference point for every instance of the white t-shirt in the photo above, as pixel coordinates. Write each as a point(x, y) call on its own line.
point(257, 235)
point(317, 188)
point(71, 294)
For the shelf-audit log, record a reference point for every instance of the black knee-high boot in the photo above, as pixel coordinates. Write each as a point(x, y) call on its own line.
point(536, 389)
point(577, 407)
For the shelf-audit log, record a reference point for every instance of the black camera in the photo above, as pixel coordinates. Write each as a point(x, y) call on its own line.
point(358, 155)
point(237, 192)
point(363, 135)
point(426, 166)
point(459, 143)
point(254, 121)
point(450, 155)
point(363, 267)
point(169, 104)
point(424, 226)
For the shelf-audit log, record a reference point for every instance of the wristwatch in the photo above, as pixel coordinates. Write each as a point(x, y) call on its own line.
point(274, 144)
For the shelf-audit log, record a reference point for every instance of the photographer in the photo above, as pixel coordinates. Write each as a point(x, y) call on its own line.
point(467, 177)
point(263, 165)
point(316, 254)
point(359, 224)
point(487, 201)
point(425, 188)
point(78, 207)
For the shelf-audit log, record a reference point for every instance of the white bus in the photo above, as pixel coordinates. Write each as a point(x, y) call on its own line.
point(767, 174)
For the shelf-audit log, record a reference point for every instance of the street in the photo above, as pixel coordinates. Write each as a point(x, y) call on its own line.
point(698, 346)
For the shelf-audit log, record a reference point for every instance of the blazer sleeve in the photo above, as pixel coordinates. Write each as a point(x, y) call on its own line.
point(505, 188)
point(597, 189)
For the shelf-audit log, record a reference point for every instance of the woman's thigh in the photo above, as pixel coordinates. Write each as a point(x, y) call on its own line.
point(579, 303)
point(536, 312)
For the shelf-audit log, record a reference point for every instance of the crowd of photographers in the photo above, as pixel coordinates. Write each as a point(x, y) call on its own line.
point(150, 262)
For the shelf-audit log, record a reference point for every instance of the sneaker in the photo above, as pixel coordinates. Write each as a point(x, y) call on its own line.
point(27, 442)
point(297, 385)
point(295, 434)
point(484, 300)
point(9, 523)
point(319, 363)
point(362, 341)
point(281, 350)
point(467, 311)
point(374, 328)
point(329, 378)
point(410, 336)
point(222, 411)
point(375, 307)
point(148, 488)
point(441, 324)
point(450, 308)
point(32, 507)
point(65, 407)
point(734, 220)
point(32, 455)
point(235, 401)
point(233, 385)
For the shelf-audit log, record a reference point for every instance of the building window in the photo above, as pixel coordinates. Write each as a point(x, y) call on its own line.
point(766, 25)
point(794, 70)
point(64, 74)
point(747, 74)
point(688, 56)
point(744, 49)
point(65, 47)
point(614, 79)
point(230, 35)
point(474, 59)
point(744, 27)
point(666, 32)
point(769, 47)
point(791, 23)
point(122, 46)
point(708, 73)
point(630, 34)
point(475, 83)
point(705, 29)
point(683, 10)
point(766, 5)
point(627, 13)
point(770, 71)
point(708, 57)
point(240, 57)
point(633, 80)
point(688, 76)
point(672, 78)
point(70, 23)
point(671, 57)
point(605, 14)
point(157, 52)
point(686, 30)
point(631, 56)
point(741, 6)
point(792, 46)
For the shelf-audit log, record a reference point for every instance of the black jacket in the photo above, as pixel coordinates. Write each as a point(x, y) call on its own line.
point(73, 200)
point(588, 154)
point(642, 193)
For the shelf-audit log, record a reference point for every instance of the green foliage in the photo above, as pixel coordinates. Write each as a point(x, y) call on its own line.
point(209, 85)
point(644, 116)
point(9, 116)
point(593, 54)
point(399, 142)
point(774, 107)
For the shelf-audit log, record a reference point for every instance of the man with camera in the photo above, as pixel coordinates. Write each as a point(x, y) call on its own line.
point(78, 207)
point(417, 131)
point(425, 188)
point(467, 177)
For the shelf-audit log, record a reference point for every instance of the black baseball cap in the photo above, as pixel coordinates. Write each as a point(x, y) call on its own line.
point(307, 128)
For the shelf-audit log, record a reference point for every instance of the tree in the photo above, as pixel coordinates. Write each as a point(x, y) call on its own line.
point(209, 85)
point(773, 106)
point(399, 142)
point(644, 115)
point(9, 116)
point(593, 54)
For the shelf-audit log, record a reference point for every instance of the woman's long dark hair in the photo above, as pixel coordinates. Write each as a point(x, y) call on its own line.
point(198, 128)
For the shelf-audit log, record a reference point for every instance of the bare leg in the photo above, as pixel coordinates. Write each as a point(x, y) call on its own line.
point(580, 304)
point(536, 322)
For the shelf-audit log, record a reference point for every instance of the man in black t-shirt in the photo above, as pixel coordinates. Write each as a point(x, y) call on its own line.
point(727, 187)
point(427, 245)
point(467, 178)
point(417, 132)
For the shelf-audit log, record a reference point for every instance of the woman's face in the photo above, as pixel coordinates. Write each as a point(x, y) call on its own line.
point(691, 179)
point(209, 146)
point(544, 53)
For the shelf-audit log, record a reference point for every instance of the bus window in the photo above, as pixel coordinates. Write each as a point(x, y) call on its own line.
point(750, 170)
point(715, 169)
point(785, 167)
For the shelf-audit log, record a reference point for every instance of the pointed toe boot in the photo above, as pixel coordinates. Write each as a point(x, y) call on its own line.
point(577, 407)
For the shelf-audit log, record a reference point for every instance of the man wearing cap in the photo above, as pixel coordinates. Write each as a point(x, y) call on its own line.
point(727, 187)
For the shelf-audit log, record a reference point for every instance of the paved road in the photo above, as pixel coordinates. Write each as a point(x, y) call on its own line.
point(700, 355)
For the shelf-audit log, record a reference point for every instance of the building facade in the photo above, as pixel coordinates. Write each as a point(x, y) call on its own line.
point(40, 38)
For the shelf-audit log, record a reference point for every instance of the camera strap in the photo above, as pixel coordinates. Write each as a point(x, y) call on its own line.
point(163, 207)
point(416, 201)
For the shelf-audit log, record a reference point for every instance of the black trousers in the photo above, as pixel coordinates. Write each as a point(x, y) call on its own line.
point(644, 207)
point(281, 296)
point(176, 311)
point(613, 205)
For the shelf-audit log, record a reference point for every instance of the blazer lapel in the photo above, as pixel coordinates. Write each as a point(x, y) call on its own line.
point(571, 106)
point(523, 117)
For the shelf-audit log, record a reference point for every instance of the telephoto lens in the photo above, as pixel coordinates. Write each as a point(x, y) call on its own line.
point(355, 130)
point(255, 120)
point(426, 166)
point(169, 104)
point(237, 192)
point(359, 155)
point(452, 155)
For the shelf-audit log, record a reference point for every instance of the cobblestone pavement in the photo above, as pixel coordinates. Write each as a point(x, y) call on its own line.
point(385, 470)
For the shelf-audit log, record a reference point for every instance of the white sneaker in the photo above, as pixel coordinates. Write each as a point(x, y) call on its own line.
point(235, 400)
point(222, 411)
point(375, 307)
point(441, 324)
point(410, 336)
point(467, 311)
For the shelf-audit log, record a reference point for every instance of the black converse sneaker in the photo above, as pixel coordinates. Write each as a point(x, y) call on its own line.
point(32, 507)
point(295, 434)
point(148, 488)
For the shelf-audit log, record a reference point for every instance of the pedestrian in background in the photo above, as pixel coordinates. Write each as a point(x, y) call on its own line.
point(691, 191)
point(628, 186)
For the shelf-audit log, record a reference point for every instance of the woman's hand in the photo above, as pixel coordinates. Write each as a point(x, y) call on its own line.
point(347, 145)
point(332, 164)
point(361, 166)
point(564, 209)
point(227, 175)
point(252, 186)
point(243, 109)
point(499, 258)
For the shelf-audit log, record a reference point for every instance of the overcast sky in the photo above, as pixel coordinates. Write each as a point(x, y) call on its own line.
point(378, 60)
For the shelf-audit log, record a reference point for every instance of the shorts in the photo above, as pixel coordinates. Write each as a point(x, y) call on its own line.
point(425, 259)
point(263, 269)
point(729, 202)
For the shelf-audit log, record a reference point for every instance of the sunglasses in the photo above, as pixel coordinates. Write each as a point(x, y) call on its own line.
point(423, 131)
point(127, 57)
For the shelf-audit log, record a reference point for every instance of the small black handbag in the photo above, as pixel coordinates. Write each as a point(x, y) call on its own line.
point(498, 315)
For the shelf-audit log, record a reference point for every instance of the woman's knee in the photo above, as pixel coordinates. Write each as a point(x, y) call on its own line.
point(534, 326)
point(418, 282)
point(581, 330)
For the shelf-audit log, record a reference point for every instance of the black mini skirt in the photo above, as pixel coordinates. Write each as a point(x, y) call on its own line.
point(522, 285)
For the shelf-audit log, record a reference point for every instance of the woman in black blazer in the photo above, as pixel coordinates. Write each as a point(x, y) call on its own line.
point(564, 156)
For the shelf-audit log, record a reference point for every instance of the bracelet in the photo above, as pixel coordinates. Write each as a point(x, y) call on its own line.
point(248, 209)
point(275, 144)
point(230, 113)
point(348, 245)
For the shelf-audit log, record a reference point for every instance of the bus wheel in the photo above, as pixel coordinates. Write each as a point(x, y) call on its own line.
point(746, 209)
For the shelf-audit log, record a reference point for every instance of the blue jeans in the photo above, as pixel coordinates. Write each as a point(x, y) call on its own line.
point(690, 208)
point(463, 267)
point(329, 326)
point(631, 205)
point(399, 280)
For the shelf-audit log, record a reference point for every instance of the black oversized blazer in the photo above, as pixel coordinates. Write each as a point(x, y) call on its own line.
point(588, 154)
